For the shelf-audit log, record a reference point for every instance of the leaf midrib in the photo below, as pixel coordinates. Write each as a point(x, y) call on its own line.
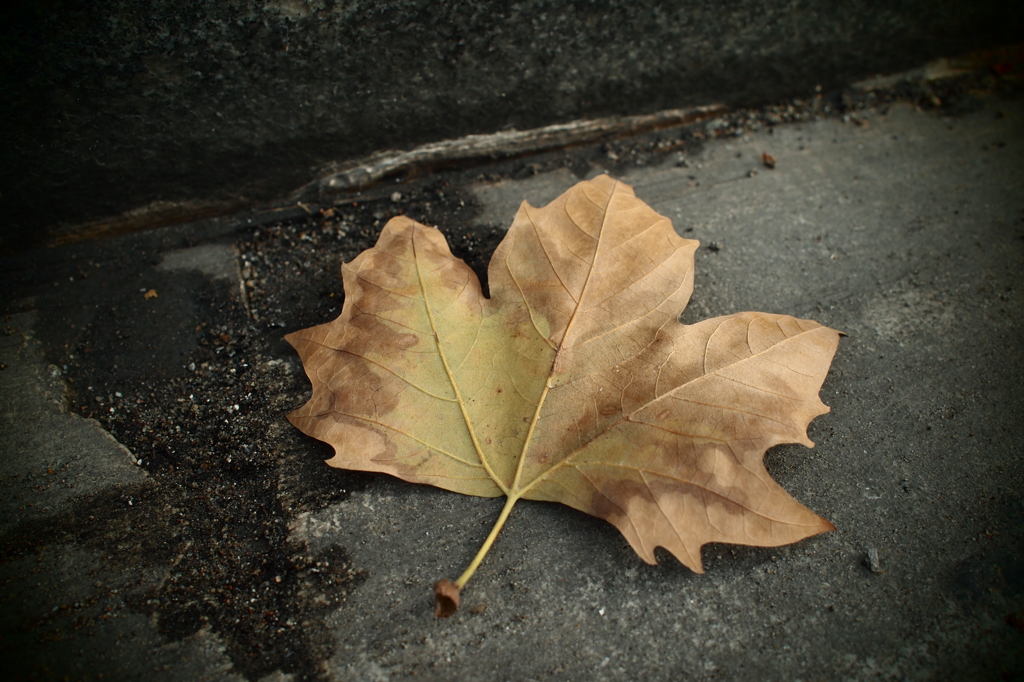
point(516, 490)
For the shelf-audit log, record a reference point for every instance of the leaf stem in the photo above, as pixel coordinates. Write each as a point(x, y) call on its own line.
point(468, 573)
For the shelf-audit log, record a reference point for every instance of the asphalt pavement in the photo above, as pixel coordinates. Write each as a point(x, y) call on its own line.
point(135, 548)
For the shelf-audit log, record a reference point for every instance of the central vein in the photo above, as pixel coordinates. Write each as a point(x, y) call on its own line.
point(547, 384)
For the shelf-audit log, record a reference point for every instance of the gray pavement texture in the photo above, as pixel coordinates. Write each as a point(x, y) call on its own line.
point(901, 227)
point(183, 107)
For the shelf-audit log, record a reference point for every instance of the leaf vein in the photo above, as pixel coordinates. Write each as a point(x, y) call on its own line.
point(407, 435)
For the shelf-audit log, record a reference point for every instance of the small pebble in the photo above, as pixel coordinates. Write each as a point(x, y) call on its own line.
point(396, 197)
point(873, 562)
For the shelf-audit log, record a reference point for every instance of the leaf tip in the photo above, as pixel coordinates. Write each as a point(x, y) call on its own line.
point(446, 598)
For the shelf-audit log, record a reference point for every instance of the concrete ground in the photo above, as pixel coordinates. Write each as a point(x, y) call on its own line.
point(146, 112)
point(224, 550)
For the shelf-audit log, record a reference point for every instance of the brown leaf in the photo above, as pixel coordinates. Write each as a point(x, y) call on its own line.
point(573, 383)
point(768, 160)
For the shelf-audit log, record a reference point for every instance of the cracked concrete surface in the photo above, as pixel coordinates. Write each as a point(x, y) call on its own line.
point(51, 456)
point(905, 230)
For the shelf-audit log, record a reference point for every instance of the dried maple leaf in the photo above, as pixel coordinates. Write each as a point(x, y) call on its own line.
point(574, 383)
